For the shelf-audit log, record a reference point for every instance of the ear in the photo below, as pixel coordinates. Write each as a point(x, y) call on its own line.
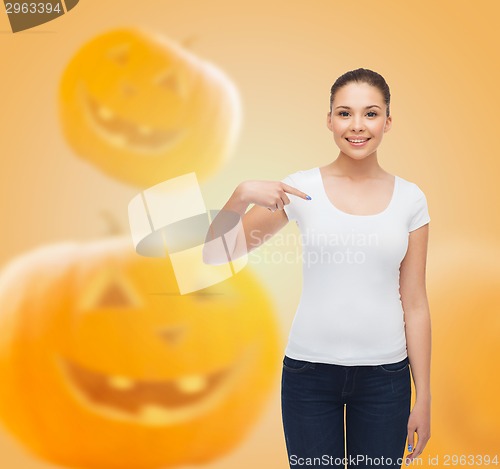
point(329, 120)
point(388, 124)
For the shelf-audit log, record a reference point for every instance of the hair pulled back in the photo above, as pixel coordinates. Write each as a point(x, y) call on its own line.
point(363, 75)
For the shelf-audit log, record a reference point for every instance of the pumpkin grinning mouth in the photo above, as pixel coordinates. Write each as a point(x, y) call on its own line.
point(124, 133)
point(153, 402)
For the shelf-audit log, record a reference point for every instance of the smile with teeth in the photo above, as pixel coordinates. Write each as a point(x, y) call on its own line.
point(357, 142)
point(153, 401)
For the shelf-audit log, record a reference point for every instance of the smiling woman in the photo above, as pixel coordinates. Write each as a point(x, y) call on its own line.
point(363, 321)
point(363, 316)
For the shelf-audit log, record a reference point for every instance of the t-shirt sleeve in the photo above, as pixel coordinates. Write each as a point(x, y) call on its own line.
point(420, 214)
point(290, 209)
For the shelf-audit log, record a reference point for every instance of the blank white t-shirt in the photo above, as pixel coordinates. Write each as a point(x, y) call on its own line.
point(350, 310)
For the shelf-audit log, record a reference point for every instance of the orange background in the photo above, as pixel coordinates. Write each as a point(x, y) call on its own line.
point(440, 60)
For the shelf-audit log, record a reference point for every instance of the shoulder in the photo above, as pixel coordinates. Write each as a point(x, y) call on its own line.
point(415, 204)
point(302, 176)
point(410, 189)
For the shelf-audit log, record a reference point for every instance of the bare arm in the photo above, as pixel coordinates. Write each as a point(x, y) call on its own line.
point(234, 233)
point(418, 334)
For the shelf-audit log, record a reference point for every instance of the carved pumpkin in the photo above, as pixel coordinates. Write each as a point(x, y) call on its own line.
point(103, 364)
point(144, 109)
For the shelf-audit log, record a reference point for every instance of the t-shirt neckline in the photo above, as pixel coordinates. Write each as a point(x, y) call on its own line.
point(327, 199)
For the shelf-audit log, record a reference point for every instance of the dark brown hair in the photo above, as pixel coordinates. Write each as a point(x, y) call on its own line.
point(363, 75)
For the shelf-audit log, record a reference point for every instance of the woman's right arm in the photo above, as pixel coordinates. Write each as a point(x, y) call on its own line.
point(234, 233)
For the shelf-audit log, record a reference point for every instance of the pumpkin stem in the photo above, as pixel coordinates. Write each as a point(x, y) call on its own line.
point(114, 227)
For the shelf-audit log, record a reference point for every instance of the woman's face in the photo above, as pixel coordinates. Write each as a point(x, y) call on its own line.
point(351, 117)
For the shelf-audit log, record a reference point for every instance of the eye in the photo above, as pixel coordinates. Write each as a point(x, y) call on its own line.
point(109, 289)
point(120, 54)
point(345, 112)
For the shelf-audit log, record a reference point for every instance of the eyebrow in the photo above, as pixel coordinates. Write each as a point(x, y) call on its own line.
point(367, 107)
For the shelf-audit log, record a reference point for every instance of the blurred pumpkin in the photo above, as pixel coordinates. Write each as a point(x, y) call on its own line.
point(144, 109)
point(464, 299)
point(104, 365)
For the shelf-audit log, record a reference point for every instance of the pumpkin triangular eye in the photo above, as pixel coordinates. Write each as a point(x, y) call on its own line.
point(120, 54)
point(110, 289)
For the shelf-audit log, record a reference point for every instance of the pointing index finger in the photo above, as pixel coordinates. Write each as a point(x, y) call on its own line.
point(294, 191)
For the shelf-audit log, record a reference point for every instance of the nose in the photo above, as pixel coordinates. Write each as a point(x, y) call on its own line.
point(357, 124)
point(128, 89)
point(173, 334)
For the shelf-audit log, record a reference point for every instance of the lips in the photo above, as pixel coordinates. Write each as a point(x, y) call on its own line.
point(358, 142)
point(362, 139)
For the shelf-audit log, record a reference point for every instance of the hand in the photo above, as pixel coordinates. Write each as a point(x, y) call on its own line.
point(269, 194)
point(420, 422)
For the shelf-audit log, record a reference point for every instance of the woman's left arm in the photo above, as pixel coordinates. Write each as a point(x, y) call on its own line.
point(418, 335)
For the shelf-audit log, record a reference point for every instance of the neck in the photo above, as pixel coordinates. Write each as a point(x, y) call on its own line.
point(366, 167)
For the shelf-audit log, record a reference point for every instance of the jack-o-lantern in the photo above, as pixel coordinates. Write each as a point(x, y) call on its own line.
point(144, 109)
point(104, 365)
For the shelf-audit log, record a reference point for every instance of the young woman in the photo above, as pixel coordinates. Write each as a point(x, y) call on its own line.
point(363, 317)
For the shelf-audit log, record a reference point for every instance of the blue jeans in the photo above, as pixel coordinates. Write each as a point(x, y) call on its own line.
point(377, 402)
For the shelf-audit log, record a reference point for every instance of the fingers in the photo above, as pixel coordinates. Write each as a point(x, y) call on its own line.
point(294, 191)
point(411, 446)
point(422, 441)
point(417, 450)
point(284, 200)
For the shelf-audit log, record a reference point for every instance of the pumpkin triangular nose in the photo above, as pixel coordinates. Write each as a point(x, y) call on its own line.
point(113, 296)
point(172, 334)
point(168, 80)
